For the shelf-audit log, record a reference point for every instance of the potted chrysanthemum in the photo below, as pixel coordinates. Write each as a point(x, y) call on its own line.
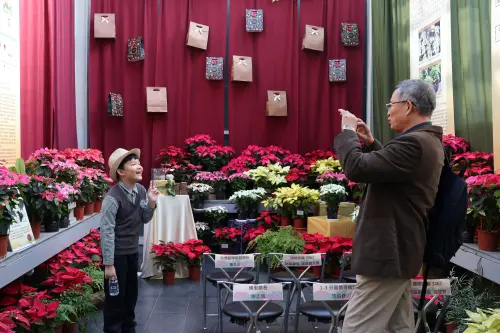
point(333, 195)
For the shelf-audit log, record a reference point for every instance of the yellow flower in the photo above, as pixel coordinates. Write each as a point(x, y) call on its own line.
point(322, 166)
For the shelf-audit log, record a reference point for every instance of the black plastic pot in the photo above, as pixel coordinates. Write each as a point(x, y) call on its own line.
point(64, 222)
point(332, 213)
point(50, 224)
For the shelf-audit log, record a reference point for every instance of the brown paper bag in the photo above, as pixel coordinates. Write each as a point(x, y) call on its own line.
point(276, 103)
point(197, 35)
point(314, 38)
point(242, 69)
point(156, 99)
point(104, 25)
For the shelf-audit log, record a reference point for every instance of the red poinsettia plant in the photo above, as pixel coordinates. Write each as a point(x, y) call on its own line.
point(212, 158)
point(332, 177)
point(198, 140)
point(11, 185)
point(484, 196)
point(334, 246)
point(239, 165)
point(88, 158)
point(313, 156)
point(38, 309)
point(217, 180)
point(172, 155)
point(356, 191)
point(270, 220)
point(226, 235)
point(166, 255)
point(67, 279)
point(13, 320)
point(253, 233)
point(455, 145)
point(193, 250)
point(476, 163)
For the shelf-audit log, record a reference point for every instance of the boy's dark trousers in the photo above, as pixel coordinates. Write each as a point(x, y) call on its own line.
point(119, 311)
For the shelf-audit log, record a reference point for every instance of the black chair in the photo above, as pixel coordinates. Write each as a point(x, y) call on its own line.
point(346, 276)
point(249, 312)
point(235, 274)
point(324, 311)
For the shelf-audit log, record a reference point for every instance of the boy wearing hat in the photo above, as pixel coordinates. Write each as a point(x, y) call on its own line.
point(126, 207)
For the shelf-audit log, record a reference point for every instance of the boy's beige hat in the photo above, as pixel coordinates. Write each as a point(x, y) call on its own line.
point(117, 157)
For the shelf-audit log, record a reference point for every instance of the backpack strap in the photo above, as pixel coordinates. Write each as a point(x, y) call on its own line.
point(424, 288)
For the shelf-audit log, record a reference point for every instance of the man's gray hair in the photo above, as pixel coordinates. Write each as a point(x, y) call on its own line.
point(420, 93)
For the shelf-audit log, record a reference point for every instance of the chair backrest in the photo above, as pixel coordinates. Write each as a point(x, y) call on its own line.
point(240, 261)
point(344, 262)
point(288, 261)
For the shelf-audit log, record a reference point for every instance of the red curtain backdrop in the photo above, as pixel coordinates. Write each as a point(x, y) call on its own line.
point(109, 71)
point(195, 104)
point(48, 115)
point(274, 55)
point(319, 99)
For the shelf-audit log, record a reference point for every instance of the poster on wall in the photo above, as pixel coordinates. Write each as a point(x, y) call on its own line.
point(10, 116)
point(430, 55)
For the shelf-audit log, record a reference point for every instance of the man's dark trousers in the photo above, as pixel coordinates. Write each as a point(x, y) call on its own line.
point(119, 311)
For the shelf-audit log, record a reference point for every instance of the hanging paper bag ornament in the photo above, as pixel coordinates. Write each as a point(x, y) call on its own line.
point(197, 35)
point(337, 70)
point(242, 69)
point(156, 99)
point(104, 25)
point(350, 34)
point(215, 68)
point(314, 38)
point(115, 105)
point(254, 20)
point(135, 49)
point(276, 103)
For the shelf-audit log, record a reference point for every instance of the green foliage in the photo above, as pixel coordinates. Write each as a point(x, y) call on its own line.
point(286, 240)
point(97, 276)
point(80, 300)
point(19, 167)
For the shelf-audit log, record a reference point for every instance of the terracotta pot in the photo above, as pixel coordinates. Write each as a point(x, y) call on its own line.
point(69, 328)
point(35, 227)
point(168, 278)
point(316, 270)
point(487, 241)
point(98, 206)
point(451, 327)
point(194, 273)
point(299, 223)
point(285, 221)
point(89, 208)
point(79, 213)
point(4, 244)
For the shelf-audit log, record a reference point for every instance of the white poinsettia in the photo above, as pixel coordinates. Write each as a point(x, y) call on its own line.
point(332, 193)
point(198, 188)
point(248, 200)
point(202, 226)
point(216, 210)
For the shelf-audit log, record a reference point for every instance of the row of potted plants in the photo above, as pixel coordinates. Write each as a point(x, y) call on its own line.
point(59, 294)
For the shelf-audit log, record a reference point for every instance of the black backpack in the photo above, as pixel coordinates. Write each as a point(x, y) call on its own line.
point(446, 222)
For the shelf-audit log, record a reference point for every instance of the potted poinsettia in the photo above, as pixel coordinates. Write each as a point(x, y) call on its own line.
point(199, 193)
point(101, 187)
point(193, 250)
point(226, 237)
point(239, 182)
point(198, 140)
point(484, 196)
point(247, 202)
point(330, 164)
point(212, 158)
point(217, 180)
point(333, 195)
point(217, 213)
point(166, 256)
point(54, 197)
point(270, 176)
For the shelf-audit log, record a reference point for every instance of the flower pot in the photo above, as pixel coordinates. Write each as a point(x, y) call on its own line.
point(451, 327)
point(177, 189)
point(285, 221)
point(79, 213)
point(220, 195)
point(212, 196)
point(299, 223)
point(198, 204)
point(183, 188)
point(35, 227)
point(168, 278)
point(468, 234)
point(4, 244)
point(316, 270)
point(50, 224)
point(487, 240)
point(98, 206)
point(332, 213)
point(89, 208)
point(69, 328)
point(64, 222)
point(243, 216)
point(194, 273)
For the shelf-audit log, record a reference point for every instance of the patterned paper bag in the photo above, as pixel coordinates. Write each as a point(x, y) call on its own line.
point(242, 69)
point(104, 25)
point(156, 99)
point(135, 49)
point(337, 70)
point(350, 34)
point(215, 68)
point(197, 35)
point(115, 105)
point(314, 38)
point(254, 20)
point(276, 103)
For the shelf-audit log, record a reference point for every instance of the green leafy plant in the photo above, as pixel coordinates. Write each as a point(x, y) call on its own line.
point(483, 321)
point(286, 240)
point(97, 275)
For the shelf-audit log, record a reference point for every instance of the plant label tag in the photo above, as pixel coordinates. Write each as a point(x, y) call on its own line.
point(300, 260)
point(332, 291)
point(434, 287)
point(72, 205)
point(300, 213)
point(234, 261)
point(224, 246)
point(258, 292)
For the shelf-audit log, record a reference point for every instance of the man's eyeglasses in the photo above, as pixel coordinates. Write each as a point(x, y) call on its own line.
point(389, 105)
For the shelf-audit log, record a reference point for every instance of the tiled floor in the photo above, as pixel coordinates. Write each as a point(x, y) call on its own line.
point(179, 309)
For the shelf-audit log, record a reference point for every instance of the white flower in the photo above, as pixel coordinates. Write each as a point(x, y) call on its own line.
point(200, 188)
point(255, 194)
point(169, 177)
point(332, 189)
point(216, 209)
point(354, 215)
point(202, 226)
